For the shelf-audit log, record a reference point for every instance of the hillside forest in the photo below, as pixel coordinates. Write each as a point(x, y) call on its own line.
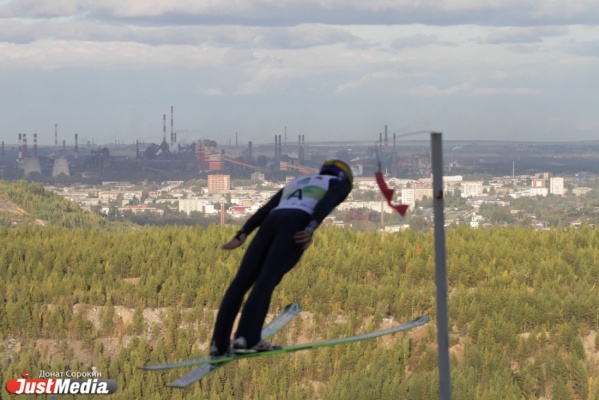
point(523, 308)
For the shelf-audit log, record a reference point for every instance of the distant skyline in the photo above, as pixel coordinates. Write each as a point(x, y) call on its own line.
point(517, 70)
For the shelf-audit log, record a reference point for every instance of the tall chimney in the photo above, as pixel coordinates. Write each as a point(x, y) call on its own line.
point(276, 148)
point(55, 134)
point(172, 130)
point(20, 156)
point(303, 147)
point(250, 151)
point(386, 139)
point(25, 145)
point(35, 145)
point(164, 127)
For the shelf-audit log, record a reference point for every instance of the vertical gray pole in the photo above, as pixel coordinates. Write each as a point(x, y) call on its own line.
point(440, 268)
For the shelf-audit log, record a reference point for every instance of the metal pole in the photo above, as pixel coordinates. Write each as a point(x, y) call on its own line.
point(440, 268)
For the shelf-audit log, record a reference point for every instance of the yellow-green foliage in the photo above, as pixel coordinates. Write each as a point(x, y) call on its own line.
point(45, 207)
point(523, 311)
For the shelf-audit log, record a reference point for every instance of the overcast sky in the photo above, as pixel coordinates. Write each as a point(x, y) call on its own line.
point(327, 69)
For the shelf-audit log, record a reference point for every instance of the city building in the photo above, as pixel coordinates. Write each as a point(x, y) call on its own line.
point(538, 183)
point(197, 204)
point(219, 183)
point(471, 188)
point(581, 190)
point(556, 186)
point(539, 191)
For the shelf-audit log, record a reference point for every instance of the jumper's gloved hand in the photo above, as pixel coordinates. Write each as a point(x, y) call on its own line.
point(305, 237)
point(235, 242)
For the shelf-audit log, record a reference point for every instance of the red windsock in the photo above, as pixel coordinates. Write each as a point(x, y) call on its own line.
point(388, 193)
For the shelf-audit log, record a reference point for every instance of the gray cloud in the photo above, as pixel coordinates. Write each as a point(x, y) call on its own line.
point(589, 48)
point(420, 40)
point(40, 9)
point(294, 12)
point(304, 36)
point(293, 37)
point(524, 34)
point(323, 66)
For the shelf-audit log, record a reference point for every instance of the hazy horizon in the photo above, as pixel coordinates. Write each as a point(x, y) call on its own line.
point(329, 70)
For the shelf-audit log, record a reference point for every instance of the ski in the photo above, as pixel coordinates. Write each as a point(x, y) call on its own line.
point(305, 346)
point(278, 323)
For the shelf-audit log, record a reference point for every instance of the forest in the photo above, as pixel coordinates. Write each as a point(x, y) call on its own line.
point(82, 295)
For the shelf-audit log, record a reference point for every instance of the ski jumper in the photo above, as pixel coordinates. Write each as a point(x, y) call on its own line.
point(301, 205)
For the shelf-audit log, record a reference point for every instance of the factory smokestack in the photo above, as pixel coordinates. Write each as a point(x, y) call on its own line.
point(20, 156)
point(386, 138)
point(55, 134)
point(300, 151)
point(280, 148)
point(164, 127)
point(173, 140)
point(35, 145)
point(303, 147)
point(24, 145)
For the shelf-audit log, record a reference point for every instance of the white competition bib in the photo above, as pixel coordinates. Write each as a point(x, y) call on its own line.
point(304, 193)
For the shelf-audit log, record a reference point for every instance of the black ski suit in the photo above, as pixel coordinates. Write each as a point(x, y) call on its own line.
point(272, 253)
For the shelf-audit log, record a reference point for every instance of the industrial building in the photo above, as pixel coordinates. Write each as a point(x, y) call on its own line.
point(173, 159)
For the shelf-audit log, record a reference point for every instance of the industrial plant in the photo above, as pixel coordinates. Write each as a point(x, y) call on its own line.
point(171, 159)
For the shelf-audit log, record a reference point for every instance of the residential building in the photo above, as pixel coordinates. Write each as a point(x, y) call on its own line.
point(471, 188)
point(196, 204)
point(556, 186)
point(539, 191)
point(538, 183)
point(581, 191)
point(219, 183)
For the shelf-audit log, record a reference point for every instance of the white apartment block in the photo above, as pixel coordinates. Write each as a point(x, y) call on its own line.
point(556, 186)
point(452, 179)
point(471, 189)
point(408, 197)
point(411, 196)
point(539, 191)
point(196, 204)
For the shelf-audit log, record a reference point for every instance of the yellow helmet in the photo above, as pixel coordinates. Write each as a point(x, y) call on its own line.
point(338, 168)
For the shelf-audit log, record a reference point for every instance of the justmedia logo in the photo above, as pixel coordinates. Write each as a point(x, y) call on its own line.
point(70, 384)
